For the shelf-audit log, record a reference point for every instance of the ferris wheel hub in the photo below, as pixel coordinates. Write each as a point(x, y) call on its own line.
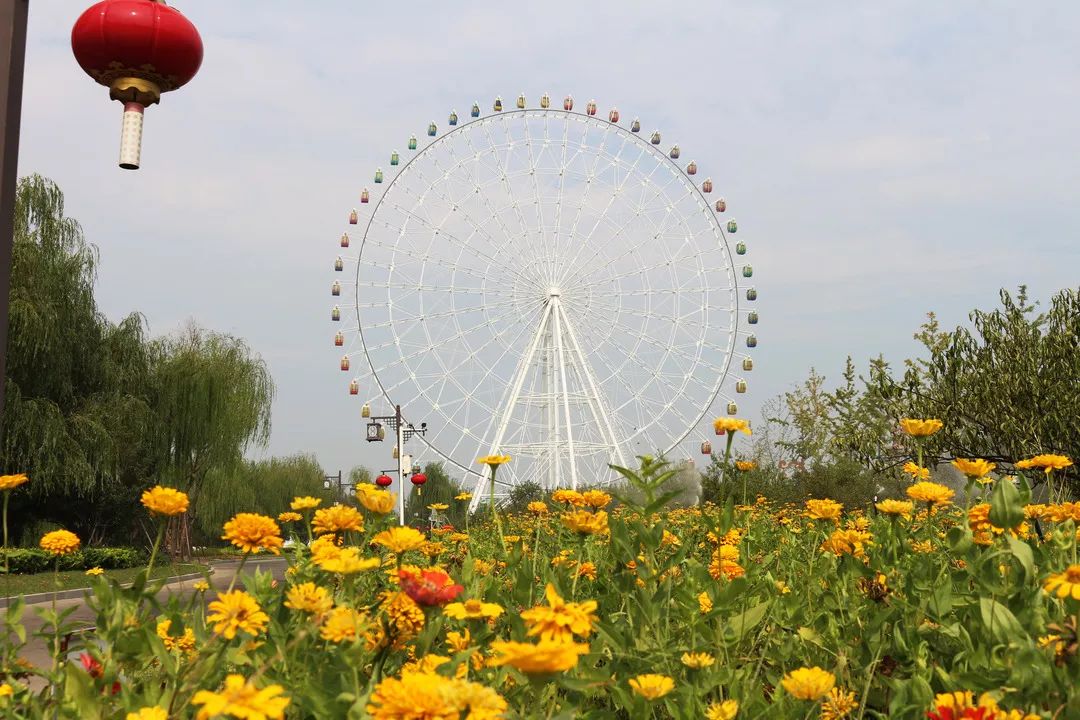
point(554, 292)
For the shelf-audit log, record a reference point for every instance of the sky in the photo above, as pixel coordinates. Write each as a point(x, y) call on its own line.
point(886, 159)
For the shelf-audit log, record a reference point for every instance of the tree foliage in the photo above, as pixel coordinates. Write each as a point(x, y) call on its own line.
point(96, 411)
point(1005, 388)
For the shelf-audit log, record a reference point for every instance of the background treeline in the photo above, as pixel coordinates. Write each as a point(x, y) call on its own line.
point(1006, 386)
point(98, 411)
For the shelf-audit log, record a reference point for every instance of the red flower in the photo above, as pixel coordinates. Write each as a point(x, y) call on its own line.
point(429, 587)
point(93, 669)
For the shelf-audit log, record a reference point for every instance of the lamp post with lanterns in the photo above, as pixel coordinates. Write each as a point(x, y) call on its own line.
point(403, 431)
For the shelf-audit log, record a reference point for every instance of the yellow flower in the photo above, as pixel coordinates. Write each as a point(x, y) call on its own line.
point(438, 506)
point(343, 624)
point(200, 586)
point(337, 518)
point(1047, 463)
point(473, 610)
point(305, 503)
point(652, 686)
point(400, 539)
point(95, 571)
point(745, 465)
point(427, 696)
point(596, 498)
point(241, 699)
point(824, 510)
point(182, 643)
point(6, 691)
point(59, 542)
point(342, 560)
point(165, 501)
point(149, 713)
point(724, 563)
point(493, 460)
point(697, 660)
point(726, 710)
point(930, 493)
point(288, 516)
point(405, 616)
point(252, 532)
point(847, 542)
point(458, 641)
point(917, 472)
point(308, 597)
point(808, 683)
point(375, 499)
point(568, 497)
point(587, 569)
point(545, 657)
point(1065, 584)
point(236, 610)
point(895, 508)
point(560, 620)
point(782, 587)
point(10, 482)
point(538, 506)
point(920, 428)
point(923, 547)
point(463, 497)
point(585, 522)
point(974, 469)
point(730, 425)
point(704, 602)
point(838, 704)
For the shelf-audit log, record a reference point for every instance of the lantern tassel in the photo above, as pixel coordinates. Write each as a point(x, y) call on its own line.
point(131, 136)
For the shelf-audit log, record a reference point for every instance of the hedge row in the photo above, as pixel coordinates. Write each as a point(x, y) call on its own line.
point(24, 561)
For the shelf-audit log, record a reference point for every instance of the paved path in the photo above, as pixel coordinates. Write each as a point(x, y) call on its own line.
point(38, 652)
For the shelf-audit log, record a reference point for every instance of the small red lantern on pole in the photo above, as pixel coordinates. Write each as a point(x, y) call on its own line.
point(384, 481)
point(418, 479)
point(138, 49)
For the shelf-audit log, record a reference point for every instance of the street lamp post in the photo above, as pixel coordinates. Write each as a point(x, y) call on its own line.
point(12, 55)
point(403, 432)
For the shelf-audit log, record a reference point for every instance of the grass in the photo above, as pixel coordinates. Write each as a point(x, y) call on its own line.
point(73, 579)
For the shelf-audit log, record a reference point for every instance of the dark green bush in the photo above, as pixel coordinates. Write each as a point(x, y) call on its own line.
point(25, 561)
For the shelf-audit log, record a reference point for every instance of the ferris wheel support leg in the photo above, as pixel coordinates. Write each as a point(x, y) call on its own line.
point(560, 352)
point(508, 411)
point(596, 403)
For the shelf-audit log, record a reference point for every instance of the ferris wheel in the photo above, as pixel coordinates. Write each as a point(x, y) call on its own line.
point(550, 284)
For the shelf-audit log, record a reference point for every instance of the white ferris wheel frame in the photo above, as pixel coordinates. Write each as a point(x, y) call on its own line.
point(555, 332)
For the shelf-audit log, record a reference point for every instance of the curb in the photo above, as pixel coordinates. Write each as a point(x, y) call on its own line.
point(38, 598)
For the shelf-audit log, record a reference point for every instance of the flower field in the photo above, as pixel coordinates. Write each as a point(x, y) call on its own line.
point(584, 606)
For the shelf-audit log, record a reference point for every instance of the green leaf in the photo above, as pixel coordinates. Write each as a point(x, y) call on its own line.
point(1000, 621)
point(739, 625)
point(1006, 507)
point(1022, 552)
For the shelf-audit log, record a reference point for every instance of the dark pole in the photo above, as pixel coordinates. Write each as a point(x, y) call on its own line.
point(12, 55)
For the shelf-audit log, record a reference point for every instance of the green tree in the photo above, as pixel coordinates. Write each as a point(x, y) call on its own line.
point(439, 488)
point(214, 398)
point(78, 415)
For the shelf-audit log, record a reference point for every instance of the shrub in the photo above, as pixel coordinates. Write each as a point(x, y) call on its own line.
point(26, 561)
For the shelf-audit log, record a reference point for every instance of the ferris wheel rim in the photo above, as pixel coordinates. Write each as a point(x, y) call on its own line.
point(735, 310)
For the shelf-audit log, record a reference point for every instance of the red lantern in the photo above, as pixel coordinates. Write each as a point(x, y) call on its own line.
point(138, 49)
point(384, 481)
point(418, 479)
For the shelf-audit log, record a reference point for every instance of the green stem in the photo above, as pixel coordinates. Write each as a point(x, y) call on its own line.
point(494, 513)
point(157, 544)
point(243, 559)
point(7, 495)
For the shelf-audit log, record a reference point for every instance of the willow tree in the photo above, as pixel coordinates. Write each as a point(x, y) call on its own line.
point(77, 416)
point(213, 401)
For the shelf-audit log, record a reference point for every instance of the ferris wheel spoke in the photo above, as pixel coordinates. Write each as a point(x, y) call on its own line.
point(455, 204)
point(614, 195)
point(584, 268)
point(479, 255)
